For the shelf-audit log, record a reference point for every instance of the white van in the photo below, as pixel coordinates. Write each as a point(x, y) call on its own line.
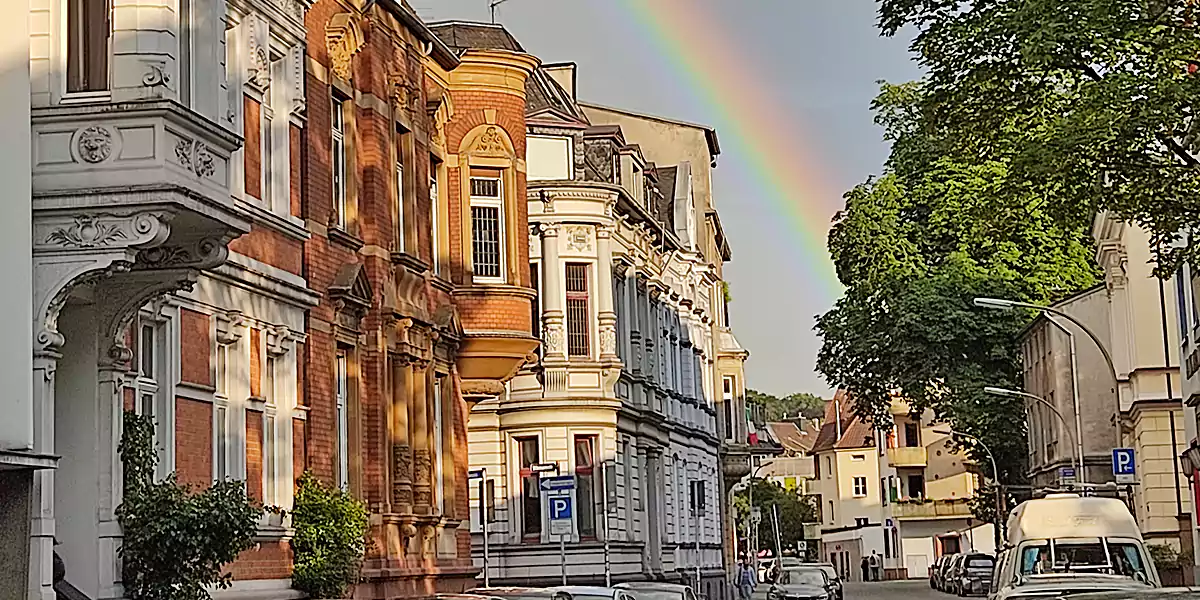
point(1067, 543)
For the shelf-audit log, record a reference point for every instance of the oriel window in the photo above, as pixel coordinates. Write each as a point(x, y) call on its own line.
point(487, 229)
point(578, 313)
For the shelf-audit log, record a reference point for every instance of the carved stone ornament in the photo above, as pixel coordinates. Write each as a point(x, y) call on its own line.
point(229, 326)
point(608, 340)
point(204, 253)
point(295, 60)
point(344, 39)
point(475, 388)
point(87, 232)
point(195, 157)
point(293, 8)
point(405, 95)
point(280, 340)
point(579, 238)
point(552, 336)
point(491, 143)
point(95, 144)
point(423, 466)
point(156, 74)
point(258, 45)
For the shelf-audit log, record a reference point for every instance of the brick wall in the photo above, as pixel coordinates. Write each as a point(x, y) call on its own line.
point(194, 358)
point(193, 442)
point(255, 362)
point(254, 454)
point(267, 560)
point(252, 157)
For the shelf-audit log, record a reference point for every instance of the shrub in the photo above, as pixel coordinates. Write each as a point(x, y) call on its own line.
point(175, 540)
point(330, 539)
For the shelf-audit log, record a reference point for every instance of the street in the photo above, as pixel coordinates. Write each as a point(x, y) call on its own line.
point(913, 589)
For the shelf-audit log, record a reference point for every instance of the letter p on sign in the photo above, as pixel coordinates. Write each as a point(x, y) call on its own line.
point(1124, 468)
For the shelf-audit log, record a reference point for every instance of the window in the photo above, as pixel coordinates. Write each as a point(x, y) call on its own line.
point(221, 415)
point(531, 497)
point(434, 223)
point(883, 499)
point(858, 457)
point(88, 29)
point(578, 316)
point(438, 470)
point(861, 521)
point(535, 279)
point(338, 158)
point(860, 487)
point(400, 195)
point(548, 157)
point(342, 401)
point(916, 486)
point(727, 398)
point(912, 435)
point(828, 466)
point(585, 484)
point(150, 392)
point(831, 516)
point(1181, 306)
point(487, 225)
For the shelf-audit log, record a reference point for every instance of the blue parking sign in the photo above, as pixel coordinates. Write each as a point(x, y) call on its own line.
point(1123, 465)
point(560, 507)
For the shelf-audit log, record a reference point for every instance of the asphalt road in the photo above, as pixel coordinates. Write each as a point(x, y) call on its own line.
point(916, 589)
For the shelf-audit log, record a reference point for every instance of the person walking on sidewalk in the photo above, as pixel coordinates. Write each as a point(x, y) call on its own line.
point(745, 579)
point(866, 569)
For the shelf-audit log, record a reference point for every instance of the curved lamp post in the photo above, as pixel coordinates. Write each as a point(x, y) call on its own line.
point(1001, 304)
point(1076, 440)
point(995, 479)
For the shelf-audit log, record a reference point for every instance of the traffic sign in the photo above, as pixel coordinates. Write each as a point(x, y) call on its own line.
point(475, 474)
point(560, 514)
point(1124, 468)
point(555, 484)
point(1066, 474)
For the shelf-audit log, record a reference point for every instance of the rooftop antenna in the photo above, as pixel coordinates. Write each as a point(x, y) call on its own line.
point(492, 4)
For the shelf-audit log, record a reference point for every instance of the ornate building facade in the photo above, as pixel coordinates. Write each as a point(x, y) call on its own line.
point(623, 396)
point(293, 233)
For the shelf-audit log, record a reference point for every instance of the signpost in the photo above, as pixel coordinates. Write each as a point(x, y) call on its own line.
point(608, 470)
point(1066, 475)
point(1123, 465)
point(484, 502)
point(557, 491)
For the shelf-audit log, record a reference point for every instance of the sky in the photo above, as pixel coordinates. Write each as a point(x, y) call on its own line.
point(788, 86)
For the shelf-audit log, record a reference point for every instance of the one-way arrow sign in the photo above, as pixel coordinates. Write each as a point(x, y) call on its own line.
point(554, 484)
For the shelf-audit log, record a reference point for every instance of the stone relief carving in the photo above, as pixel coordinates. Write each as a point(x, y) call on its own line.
point(343, 39)
point(95, 144)
point(491, 143)
point(156, 74)
point(258, 44)
point(608, 340)
point(204, 253)
point(87, 232)
point(294, 8)
point(280, 340)
point(195, 157)
point(296, 64)
point(579, 238)
point(552, 336)
point(229, 326)
point(474, 388)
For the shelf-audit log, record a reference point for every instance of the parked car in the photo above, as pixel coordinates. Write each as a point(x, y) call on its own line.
point(935, 571)
point(831, 572)
point(766, 569)
point(975, 574)
point(655, 590)
point(1159, 594)
point(510, 593)
point(948, 573)
point(801, 583)
point(587, 592)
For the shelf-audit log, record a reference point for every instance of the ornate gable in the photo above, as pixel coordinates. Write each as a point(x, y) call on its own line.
point(351, 294)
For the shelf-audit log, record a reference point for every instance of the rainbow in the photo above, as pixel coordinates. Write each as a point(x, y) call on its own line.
point(768, 145)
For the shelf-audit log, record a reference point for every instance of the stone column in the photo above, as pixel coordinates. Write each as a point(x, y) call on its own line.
point(633, 310)
point(419, 426)
point(402, 496)
point(604, 302)
point(41, 534)
point(553, 317)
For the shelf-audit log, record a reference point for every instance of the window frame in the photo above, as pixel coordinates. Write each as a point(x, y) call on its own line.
point(501, 240)
point(581, 317)
point(400, 191)
point(435, 207)
point(159, 385)
point(529, 530)
point(586, 506)
point(570, 152)
point(342, 379)
point(86, 92)
point(859, 487)
point(339, 161)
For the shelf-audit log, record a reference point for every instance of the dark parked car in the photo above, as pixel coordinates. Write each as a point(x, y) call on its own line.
point(656, 590)
point(834, 579)
point(801, 583)
point(935, 571)
point(951, 574)
point(974, 575)
point(1159, 594)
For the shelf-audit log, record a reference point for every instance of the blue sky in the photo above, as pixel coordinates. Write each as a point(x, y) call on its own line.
point(826, 58)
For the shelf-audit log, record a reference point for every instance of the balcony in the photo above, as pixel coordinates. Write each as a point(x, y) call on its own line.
point(905, 457)
point(930, 510)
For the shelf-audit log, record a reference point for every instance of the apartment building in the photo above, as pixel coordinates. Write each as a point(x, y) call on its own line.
point(793, 468)
point(295, 245)
point(1135, 316)
point(622, 394)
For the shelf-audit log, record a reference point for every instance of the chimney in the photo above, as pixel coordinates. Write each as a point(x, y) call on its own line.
point(564, 75)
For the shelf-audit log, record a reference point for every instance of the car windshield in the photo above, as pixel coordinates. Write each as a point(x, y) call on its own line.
point(980, 562)
point(655, 594)
point(803, 577)
point(1089, 556)
point(829, 571)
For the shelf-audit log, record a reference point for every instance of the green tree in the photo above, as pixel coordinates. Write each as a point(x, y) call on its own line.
point(913, 247)
point(800, 404)
point(794, 511)
point(331, 538)
point(1106, 94)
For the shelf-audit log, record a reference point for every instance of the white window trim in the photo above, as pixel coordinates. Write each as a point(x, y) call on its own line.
point(342, 417)
point(517, 513)
point(59, 72)
point(398, 178)
point(439, 421)
point(339, 159)
point(854, 486)
point(502, 239)
point(435, 222)
point(593, 318)
point(163, 318)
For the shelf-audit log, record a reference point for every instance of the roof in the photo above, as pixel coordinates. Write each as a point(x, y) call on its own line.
point(461, 36)
point(793, 437)
point(438, 49)
point(710, 133)
point(1071, 516)
point(841, 428)
point(543, 95)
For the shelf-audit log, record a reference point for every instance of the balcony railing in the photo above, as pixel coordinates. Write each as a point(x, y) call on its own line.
point(934, 509)
point(908, 457)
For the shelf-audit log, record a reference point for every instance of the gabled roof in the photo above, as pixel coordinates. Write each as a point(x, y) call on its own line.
point(840, 419)
point(546, 100)
point(793, 437)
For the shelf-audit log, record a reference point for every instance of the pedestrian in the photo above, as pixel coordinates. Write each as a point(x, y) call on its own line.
point(876, 567)
point(866, 569)
point(746, 579)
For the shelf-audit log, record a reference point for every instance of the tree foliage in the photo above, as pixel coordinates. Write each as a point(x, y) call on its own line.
point(913, 247)
point(792, 406)
point(1089, 104)
point(794, 512)
point(176, 540)
point(330, 541)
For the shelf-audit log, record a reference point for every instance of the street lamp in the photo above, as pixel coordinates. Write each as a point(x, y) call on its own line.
point(753, 548)
point(1002, 304)
point(1076, 440)
point(995, 478)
